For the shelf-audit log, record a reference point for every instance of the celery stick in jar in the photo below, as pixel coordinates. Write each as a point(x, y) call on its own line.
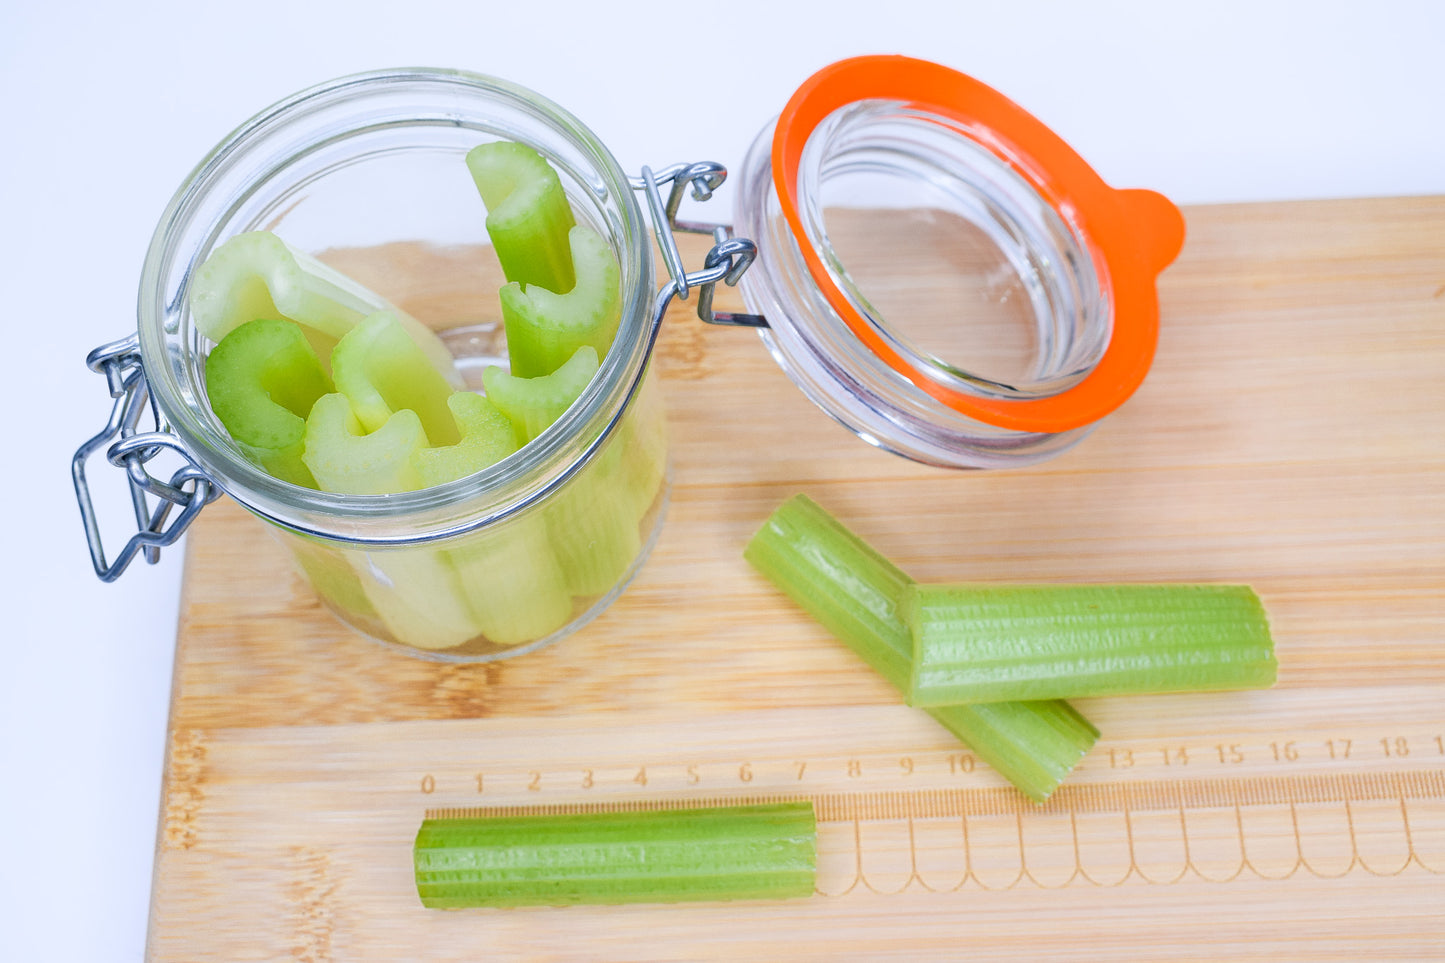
point(261, 381)
point(258, 275)
point(528, 216)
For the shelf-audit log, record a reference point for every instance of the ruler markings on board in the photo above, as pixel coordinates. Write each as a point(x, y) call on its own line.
point(988, 830)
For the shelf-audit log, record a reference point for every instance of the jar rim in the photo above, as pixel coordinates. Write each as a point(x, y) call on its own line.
point(504, 489)
point(1134, 233)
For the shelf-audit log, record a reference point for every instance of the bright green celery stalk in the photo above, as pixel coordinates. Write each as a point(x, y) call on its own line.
point(261, 381)
point(988, 643)
point(857, 594)
point(415, 591)
point(544, 328)
point(509, 576)
point(528, 217)
point(258, 275)
point(592, 521)
point(659, 856)
point(381, 371)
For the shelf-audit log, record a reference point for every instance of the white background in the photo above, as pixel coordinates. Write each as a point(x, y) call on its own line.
point(105, 108)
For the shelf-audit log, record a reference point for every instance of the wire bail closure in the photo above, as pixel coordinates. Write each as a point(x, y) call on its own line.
point(727, 261)
point(189, 487)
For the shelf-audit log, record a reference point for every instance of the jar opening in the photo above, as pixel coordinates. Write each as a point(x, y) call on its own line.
point(949, 254)
point(378, 159)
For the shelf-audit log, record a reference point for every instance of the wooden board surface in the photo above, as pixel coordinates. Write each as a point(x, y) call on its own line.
point(1290, 436)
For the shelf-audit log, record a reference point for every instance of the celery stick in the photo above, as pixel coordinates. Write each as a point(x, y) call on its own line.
point(533, 404)
point(486, 437)
point(380, 370)
point(258, 275)
point(528, 216)
point(857, 594)
point(262, 380)
point(414, 590)
point(659, 856)
point(347, 460)
point(509, 577)
point(593, 525)
point(990, 643)
point(544, 329)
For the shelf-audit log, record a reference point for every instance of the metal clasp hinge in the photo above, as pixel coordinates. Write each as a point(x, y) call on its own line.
point(190, 487)
point(727, 261)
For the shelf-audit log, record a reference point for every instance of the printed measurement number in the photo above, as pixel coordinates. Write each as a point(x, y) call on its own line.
point(779, 773)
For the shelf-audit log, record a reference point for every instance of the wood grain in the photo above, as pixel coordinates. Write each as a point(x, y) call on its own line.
point(1290, 436)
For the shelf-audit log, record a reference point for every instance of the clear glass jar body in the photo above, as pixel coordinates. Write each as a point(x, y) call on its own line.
point(367, 173)
point(893, 199)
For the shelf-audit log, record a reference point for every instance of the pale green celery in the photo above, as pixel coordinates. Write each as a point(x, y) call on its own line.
point(528, 217)
point(485, 438)
point(659, 856)
point(857, 594)
point(512, 582)
point(594, 525)
point(989, 643)
point(333, 577)
point(261, 381)
point(414, 590)
point(533, 404)
point(642, 439)
point(258, 275)
point(544, 328)
point(380, 370)
point(348, 460)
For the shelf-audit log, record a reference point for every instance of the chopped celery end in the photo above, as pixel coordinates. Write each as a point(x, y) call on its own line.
point(346, 460)
point(991, 643)
point(858, 595)
point(532, 404)
point(258, 275)
point(486, 438)
point(528, 216)
point(381, 371)
point(513, 583)
point(658, 856)
point(262, 380)
point(544, 329)
point(1033, 744)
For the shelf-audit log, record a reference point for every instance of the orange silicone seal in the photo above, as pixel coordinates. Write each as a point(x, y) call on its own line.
point(1132, 234)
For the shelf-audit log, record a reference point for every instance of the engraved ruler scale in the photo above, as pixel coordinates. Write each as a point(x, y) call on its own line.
point(1291, 436)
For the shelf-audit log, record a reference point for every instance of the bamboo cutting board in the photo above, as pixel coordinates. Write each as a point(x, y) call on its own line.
point(1291, 436)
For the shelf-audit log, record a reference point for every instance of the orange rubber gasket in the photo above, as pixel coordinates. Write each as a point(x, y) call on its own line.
point(1136, 233)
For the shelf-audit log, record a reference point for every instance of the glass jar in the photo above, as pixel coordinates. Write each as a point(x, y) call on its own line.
point(941, 273)
point(368, 172)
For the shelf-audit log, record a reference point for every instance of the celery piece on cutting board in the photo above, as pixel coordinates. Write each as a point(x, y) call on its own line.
point(989, 643)
point(858, 595)
point(261, 381)
point(509, 576)
point(528, 217)
point(652, 856)
point(414, 590)
point(258, 275)
point(545, 328)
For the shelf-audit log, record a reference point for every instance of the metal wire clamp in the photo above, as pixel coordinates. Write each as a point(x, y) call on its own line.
point(727, 261)
point(190, 487)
